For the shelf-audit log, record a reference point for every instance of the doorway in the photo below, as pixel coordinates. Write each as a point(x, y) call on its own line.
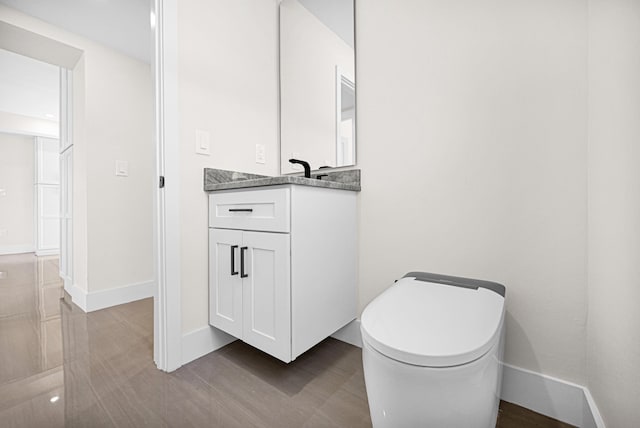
point(111, 236)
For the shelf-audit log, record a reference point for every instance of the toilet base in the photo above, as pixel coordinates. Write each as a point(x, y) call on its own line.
point(404, 395)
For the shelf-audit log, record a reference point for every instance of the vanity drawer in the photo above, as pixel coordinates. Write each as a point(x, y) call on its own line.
point(262, 210)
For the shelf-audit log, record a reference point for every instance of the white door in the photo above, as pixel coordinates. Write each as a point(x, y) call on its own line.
point(266, 292)
point(225, 285)
point(47, 190)
point(48, 237)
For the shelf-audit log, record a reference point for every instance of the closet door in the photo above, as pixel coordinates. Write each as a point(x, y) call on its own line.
point(47, 191)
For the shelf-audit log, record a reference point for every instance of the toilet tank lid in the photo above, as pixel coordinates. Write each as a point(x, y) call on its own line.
point(434, 321)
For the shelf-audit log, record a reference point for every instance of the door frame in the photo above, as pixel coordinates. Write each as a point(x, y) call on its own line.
point(66, 178)
point(167, 331)
point(167, 326)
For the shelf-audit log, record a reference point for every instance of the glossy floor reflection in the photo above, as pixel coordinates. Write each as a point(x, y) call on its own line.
point(61, 367)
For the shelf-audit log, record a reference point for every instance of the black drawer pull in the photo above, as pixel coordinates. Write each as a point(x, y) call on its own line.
point(240, 210)
point(242, 274)
point(233, 260)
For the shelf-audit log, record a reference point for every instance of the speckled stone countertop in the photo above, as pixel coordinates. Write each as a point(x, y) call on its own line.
point(220, 179)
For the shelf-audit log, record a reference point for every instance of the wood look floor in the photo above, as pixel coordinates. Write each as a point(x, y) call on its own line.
point(61, 367)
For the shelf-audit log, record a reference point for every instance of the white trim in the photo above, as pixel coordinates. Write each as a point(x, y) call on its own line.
point(167, 320)
point(350, 333)
point(51, 252)
point(94, 301)
point(66, 177)
point(27, 133)
point(200, 342)
point(556, 398)
point(16, 249)
point(78, 296)
point(592, 416)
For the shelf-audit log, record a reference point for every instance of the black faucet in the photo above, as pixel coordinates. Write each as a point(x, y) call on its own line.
point(307, 167)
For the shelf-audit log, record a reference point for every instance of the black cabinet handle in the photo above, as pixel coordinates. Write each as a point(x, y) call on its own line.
point(240, 210)
point(242, 274)
point(233, 260)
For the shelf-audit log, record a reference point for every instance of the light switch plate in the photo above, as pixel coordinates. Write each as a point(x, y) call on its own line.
point(203, 146)
point(3, 192)
point(122, 168)
point(3, 233)
point(3, 275)
point(260, 153)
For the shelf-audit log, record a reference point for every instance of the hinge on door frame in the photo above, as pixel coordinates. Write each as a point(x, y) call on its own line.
point(161, 181)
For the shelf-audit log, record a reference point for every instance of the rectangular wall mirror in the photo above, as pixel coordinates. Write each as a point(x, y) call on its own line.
point(317, 83)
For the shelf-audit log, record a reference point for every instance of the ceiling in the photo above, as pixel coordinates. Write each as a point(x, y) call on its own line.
point(335, 14)
point(123, 25)
point(29, 87)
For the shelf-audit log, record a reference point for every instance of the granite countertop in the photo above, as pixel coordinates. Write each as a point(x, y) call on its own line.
point(220, 179)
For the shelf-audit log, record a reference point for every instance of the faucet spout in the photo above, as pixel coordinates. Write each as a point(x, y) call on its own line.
point(305, 164)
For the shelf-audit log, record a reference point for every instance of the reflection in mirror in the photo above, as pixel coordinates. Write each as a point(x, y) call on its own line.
point(317, 83)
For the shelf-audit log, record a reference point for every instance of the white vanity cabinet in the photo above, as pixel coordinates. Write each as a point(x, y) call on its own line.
point(282, 265)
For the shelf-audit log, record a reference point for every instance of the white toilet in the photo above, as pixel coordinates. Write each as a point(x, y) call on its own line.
point(432, 352)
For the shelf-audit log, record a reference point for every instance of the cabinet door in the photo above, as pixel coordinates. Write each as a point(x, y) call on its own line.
point(225, 284)
point(266, 293)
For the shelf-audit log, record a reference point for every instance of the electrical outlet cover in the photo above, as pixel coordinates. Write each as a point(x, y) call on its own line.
point(260, 153)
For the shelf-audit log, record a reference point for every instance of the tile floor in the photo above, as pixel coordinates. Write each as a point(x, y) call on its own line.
point(61, 367)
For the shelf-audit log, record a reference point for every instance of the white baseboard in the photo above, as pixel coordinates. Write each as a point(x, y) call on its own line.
point(94, 301)
point(350, 333)
point(16, 249)
point(556, 398)
point(200, 342)
point(78, 296)
point(52, 252)
point(592, 416)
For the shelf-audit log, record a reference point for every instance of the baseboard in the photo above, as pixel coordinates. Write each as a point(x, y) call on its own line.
point(553, 397)
point(51, 252)
point(78, 296)
point(556, 398)
point(94, 301)
point(16, 249)
point(350, 333)
point(200, 342)
point(592, 416)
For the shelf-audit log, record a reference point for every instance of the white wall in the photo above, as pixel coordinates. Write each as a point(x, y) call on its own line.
point(309, 53)
point(472, 129)
point(16, 193)
point(228, 74)
point(614, 210)
point(118, 126)
point(113, 105)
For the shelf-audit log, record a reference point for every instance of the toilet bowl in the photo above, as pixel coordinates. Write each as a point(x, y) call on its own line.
point(432, 352)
